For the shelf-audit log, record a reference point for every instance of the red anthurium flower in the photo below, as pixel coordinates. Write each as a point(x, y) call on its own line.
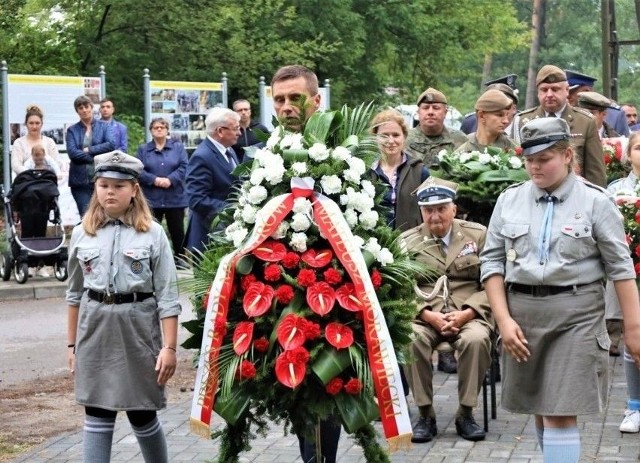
point(317, 259)
point(346, 295)
point(270, 251)
point(257, 299)
point(242, 337)
point(291, 367)
point(321, 297)
point(334, 386)
point(290, 331)
point(338, 335)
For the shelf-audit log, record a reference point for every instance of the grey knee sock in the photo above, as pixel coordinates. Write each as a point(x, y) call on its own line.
point(632, 374)
point(152, 442)
point(97, 438)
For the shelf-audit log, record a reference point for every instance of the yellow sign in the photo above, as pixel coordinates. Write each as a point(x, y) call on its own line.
point(216, 86)
point(45, 80)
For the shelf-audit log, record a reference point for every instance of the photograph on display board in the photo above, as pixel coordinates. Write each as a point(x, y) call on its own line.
point(168, 107)
point(181, 137)
point(156, 106)
point(196, 121)
point(179, 122)
point(188, 101)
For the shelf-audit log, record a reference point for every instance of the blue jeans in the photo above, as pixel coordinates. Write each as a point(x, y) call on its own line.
point(82, 195)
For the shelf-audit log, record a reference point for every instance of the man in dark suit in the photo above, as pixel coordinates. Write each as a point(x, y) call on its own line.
point(209, 179)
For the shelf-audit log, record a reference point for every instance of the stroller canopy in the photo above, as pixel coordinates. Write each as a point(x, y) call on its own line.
point(34, 189)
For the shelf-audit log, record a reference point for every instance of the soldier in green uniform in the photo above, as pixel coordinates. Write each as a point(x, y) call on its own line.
point(553, 93)
point(597, 105)
point(492, 112)
point(431, 136)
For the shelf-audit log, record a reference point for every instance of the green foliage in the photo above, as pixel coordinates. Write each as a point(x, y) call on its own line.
point(135, 130)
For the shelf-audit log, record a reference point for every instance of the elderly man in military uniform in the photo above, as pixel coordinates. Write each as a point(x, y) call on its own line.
point(507, 85)
point(431, 136)
point(454, 309)
point(553, 93)
point(597, 105)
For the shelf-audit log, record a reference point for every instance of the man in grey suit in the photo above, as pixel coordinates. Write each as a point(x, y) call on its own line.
point(209, 178)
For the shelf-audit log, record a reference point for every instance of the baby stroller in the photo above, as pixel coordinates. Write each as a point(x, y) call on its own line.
point(34, 196)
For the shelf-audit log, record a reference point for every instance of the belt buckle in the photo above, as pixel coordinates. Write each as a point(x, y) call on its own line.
point(108, 299)
point(542, 291)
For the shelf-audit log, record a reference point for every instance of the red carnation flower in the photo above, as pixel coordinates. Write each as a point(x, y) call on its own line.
point(637, 269)
point(636, 251)
point(335, 386)
point(284, 294)
point(220, 328)
point(518, 150)
point(607, 159)
point(638, 204)
point(306, 277)
point(311, 330)
point(353, 386)
point(332, 276)
point(291, 260)
point(261, 344)
point(272, 272)
point(376, 279)
point(247, 370)
point(246, 280)
point(270, 251)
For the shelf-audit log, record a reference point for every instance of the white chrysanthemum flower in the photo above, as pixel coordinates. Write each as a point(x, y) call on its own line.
point(331, 184)
point(362, 202)
point(298, 242)
point(276, 171)
point(257, 194)
point(236, 233)
point(300, 222)
point(292, 141)
point(373, 246)
point(281, 231)
point(237, 214)
point(299, 168)
point(242, 199)
point(515, 162)
point(257, 176)
point(368, 188)
point(358, 241)
point(385, 257)
point(301, 206)
point(249, 213)
point(369, 219)
point(484, 158)
point(344, 199)
point(351, 175)
point(357, 165)
point(351, 217)
point(495, 160)
point(319, 152)
point(441, 154)
point(274, 139)
point(464, 157)
point(340, 153)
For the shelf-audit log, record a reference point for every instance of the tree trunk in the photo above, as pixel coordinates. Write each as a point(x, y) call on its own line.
point(537, 23)
point(486, 69)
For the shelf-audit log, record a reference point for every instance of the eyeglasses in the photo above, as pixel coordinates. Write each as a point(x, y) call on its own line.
point(159, 127)
point(241, 110)
point(233, 129)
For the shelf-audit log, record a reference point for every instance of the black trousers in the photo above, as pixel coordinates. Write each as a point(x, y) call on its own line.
point(137, 418)
point(329, 437)
point(175, 225)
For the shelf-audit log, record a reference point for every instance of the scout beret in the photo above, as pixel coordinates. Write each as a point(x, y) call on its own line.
point(435, 191)
point(541, 133)
point(509, 80)
point(577, 79)
point(117, 164)
point(504, 88)
point(550, 74)
point(493, 100)
point(593, 100)
point(431, 95)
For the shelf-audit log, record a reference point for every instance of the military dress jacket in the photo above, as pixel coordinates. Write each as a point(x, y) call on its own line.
point(584, 140)
point(461, 265)
point(503, 142)
point(423, 147)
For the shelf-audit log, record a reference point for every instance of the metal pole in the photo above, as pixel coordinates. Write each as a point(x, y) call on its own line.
point(6, 136)
point(146, 78)
point(261, 99)
point(225, 96)
point(103, 83)
point(327, 86)
point(605, 21)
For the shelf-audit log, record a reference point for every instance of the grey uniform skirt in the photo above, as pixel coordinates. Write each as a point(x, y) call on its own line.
point(567, 373)
point(117, 346)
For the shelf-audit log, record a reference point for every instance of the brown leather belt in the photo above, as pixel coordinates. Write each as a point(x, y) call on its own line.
point(541, 290)
point(117, 298)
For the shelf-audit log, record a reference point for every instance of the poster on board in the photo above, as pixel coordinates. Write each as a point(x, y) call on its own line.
point(267, 113)
point(185, 106)
point(55, 96)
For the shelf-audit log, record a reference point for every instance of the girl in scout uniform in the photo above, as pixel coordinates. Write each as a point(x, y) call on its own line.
point(551, 242)
point(631, 420)
point(123, 312)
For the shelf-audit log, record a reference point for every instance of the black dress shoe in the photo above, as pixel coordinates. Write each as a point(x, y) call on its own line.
point(468, 429)
point(447, 362)
point(424, 430)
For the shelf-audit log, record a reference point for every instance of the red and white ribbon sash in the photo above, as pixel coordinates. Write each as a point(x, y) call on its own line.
point(382, 358)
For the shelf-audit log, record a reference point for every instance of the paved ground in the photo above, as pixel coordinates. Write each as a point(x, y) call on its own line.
point(511, 438)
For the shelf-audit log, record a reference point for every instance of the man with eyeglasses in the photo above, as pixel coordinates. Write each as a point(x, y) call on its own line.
point(247, 128)
point(209, 175)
